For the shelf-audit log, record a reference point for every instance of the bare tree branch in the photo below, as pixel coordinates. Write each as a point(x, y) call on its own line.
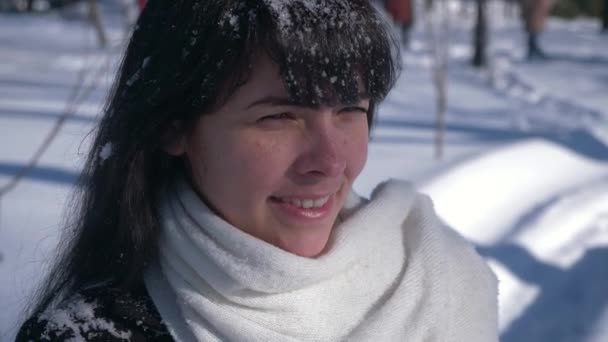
point(95, 18)
point(438, 33)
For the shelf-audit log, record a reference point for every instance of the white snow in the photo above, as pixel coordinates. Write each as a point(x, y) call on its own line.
point(524, 174)
point(106, 151)
point(79, 318)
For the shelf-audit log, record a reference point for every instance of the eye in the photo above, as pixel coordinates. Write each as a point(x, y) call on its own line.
point(354, 109)
point(274, 117)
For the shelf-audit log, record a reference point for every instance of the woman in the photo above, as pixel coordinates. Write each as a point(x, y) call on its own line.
point(534, 14)
point(217, 202)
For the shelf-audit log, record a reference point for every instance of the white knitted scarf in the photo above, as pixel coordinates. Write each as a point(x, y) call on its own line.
point(213, 282)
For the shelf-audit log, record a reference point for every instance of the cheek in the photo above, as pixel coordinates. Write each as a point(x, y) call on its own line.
point(356, 148)
point(236, 173)
point(264, 159)
point(248, 162)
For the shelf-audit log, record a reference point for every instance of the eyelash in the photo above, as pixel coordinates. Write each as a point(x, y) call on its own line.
point(287, 115)
point(279, 116)
point(355, 109)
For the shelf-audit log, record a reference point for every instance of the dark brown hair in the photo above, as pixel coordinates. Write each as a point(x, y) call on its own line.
point(185, 57)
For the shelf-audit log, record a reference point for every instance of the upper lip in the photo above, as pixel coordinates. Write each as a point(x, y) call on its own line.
point(312, 194)
point(305, 196)
point(308, 195)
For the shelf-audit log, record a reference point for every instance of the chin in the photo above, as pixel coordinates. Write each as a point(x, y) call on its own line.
point(306, 246)
point(309, 252)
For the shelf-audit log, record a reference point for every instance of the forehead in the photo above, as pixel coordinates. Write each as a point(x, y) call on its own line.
point(315, 57)
point(263, 79)
point(266, 79)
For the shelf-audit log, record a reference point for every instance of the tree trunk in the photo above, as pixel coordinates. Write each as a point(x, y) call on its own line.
point(510, 8)
point(605, 16)
point(442, 106)
point(95, 18)
point(438, 30)
point(480, 36)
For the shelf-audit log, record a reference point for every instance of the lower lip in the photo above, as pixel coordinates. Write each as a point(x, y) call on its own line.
point(305, 213)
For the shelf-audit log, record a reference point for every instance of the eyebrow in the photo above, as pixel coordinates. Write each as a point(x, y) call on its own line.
point(284, 101)
point(273, 100)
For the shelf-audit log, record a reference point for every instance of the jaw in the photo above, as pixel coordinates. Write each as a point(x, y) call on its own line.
point(304, 244)
point(302, 234)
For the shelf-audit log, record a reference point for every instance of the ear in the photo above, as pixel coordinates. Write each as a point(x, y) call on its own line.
point(174, 140)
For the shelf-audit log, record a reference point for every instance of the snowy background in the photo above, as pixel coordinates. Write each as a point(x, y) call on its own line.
point(524, 174)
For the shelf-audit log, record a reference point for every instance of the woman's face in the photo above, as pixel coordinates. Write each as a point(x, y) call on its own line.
point(278, 171)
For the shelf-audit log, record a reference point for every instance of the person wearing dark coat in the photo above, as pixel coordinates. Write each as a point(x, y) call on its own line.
point(534, 15)
point(402, 12)
point(101, 313)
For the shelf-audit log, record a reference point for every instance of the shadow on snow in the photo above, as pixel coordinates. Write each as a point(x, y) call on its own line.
point(42, 173)
point(578, 140)
point(570, 302)
point(33, 114)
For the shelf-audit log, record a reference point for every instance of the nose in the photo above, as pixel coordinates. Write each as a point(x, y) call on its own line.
point(322, 154)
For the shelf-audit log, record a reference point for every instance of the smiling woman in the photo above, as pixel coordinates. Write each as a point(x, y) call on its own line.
point(217, 202)
point(278, 170)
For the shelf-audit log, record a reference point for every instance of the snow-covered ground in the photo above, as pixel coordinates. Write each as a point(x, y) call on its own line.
point(524, 175)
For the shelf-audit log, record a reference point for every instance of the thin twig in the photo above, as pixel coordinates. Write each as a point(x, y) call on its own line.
point(75, 99)
point(440, 49)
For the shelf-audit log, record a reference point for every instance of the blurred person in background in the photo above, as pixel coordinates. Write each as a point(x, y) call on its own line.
point(402, 13)
point(534, 15)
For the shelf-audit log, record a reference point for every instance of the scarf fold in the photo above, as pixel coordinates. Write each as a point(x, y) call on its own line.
point(213, 282)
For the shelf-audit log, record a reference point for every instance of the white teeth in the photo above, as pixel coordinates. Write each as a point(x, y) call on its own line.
point(320, 202)
point(307, 203)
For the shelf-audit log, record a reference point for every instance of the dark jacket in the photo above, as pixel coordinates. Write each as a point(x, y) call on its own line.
point(401, 11)
point(99, 314)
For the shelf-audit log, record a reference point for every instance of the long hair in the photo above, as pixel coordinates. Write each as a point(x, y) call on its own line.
point(184, 59)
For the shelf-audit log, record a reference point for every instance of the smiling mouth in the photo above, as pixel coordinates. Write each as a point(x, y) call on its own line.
point(304, 203)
